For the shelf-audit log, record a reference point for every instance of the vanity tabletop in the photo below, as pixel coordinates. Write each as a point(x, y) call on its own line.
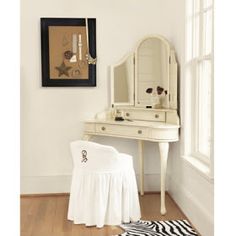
point(152, 124)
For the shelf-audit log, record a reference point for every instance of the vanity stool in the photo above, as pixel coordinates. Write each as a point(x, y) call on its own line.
point(103, 188)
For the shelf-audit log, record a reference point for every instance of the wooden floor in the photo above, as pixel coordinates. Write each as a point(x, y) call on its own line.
point(46, 216)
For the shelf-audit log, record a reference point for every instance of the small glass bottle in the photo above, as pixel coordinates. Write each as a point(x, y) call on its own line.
point(155, 100)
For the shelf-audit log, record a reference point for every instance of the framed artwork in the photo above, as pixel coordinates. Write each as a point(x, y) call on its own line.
point(68, 51)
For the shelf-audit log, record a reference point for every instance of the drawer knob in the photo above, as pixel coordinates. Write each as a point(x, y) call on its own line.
point(139, 131)
point(156, 116)
point(127, 114)
point(103, 128)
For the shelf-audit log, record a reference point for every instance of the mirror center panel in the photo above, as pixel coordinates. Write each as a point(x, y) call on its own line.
point(152, 71)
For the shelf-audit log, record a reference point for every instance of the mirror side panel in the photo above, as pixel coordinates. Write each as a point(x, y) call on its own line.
point(122, 82)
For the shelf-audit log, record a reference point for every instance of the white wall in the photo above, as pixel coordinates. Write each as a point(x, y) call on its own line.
point(191, 190)
point(194, 193)
point(52, 117)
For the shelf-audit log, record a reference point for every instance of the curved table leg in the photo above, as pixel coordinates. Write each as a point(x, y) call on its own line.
point(141, 167)
point(164, 148)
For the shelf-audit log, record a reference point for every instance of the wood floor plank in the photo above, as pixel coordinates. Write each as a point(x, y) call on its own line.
point(150, 208)
point(25, 205)
point(30, 217)
point(47, 216)
point(60, 223)
point(81, 230)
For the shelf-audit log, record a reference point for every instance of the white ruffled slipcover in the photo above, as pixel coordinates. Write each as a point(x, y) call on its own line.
point(103, 189)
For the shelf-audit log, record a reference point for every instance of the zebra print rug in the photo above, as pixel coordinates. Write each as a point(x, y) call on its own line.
point(156, 228)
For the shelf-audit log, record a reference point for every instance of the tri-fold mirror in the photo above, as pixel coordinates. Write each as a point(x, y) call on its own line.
point(146, 77)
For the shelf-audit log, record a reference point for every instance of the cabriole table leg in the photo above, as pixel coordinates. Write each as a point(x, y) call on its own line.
point(164, 148)
point(141, 167)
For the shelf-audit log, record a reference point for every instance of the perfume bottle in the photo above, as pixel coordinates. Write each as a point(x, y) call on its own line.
point(155, 100)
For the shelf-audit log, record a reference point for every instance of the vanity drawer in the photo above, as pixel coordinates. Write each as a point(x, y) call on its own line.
point(147, 115)
point(89, 127)
point(165, 134)
point(127, 131)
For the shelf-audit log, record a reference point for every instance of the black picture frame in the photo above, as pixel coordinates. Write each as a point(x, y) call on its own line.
point(67, 82)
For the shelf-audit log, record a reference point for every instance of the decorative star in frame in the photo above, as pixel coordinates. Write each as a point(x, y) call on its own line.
point(63, 69)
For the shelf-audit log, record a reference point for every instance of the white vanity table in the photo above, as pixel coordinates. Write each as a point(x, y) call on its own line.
point(143, 115)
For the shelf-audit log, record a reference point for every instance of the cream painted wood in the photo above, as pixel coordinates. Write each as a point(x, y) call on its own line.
point(173, 81)
point(141, 130)
point(141, 166)
point(163, 148)
point(163, 134)
point(145, 130)
point(139, 114)
point(172, 117)
point(138, 70)
point(132, 131)
point(154, 131)
point(87, 137)
point(89, 127)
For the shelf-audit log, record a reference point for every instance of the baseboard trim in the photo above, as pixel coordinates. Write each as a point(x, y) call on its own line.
point(67, 194)
point(44, 195)
point(191, 207)
point(177, 206)
point(45, 184)
point(61, 183)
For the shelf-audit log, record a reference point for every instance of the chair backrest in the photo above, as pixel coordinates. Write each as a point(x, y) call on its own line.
point(90, 156)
